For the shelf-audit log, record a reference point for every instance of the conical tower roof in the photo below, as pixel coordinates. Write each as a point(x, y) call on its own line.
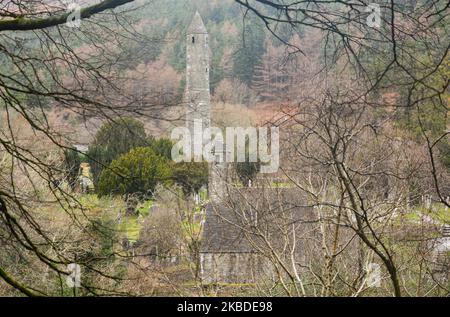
point(197, 26)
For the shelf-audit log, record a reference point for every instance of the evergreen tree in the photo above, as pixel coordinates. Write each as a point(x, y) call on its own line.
point(137, 172)
point(191, 176)
point(112, 140)
point(250, 52)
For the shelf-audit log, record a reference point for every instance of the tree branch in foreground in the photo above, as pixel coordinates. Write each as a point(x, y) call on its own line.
point(24, 24)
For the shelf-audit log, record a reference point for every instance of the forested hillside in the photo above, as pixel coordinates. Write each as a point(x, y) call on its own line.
point(243, 53)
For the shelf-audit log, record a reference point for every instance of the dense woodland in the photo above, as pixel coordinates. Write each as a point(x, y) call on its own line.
point(365, 143)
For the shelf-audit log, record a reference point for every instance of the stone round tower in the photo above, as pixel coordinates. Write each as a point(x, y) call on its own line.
point(197, 80)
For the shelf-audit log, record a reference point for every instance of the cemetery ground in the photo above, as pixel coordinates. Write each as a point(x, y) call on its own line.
point(169, 269)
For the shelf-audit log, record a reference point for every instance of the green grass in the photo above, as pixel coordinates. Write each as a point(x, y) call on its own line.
point(412, 217)
point(281, 185)
point(272, 185)
point(145, 207)
point(89, 201)
point(110, 207)
point(438, 213)
point(104, 205)
point(131, 228)
point(204, 195)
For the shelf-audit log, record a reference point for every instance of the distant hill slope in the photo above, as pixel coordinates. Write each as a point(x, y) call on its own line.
point(239, 50)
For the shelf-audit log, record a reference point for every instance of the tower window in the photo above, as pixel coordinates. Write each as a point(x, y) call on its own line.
point(193, 39)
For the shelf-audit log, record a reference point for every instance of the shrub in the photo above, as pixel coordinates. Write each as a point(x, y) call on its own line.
point(247, 171)
point(112, 140)
point(191, 176)
point(162, 147)
point(137, 172)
